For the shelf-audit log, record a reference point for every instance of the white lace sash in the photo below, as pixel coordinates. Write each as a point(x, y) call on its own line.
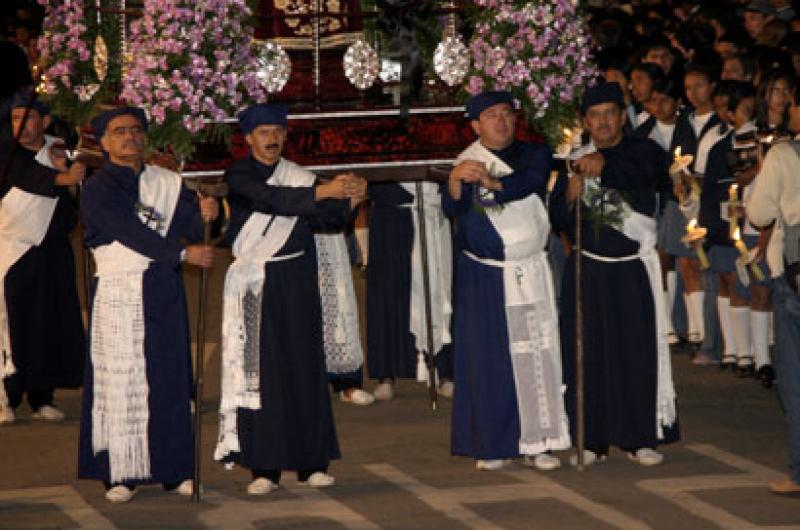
point(261, 237)
point(340, 331)
point(440, 273)
point(120, 412)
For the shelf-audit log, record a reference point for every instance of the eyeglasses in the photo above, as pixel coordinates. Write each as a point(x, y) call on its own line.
point(135, 130)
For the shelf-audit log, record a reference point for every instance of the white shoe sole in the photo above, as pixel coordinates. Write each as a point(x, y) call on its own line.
point(119, 494)
point(261, 486)
point(319, 480)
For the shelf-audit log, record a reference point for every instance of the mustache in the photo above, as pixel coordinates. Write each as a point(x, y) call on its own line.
point(271, 146)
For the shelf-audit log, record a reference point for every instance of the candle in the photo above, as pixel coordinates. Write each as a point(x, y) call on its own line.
point(681, 163)
point(694, 238)
point(745, 256)
point(733, 210)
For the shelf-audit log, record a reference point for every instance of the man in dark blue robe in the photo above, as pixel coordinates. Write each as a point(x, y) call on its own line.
point(508, 398)
point(392, 344)
point(629, 398)
point(136, 426)
point(276, 412)
point(38, 273)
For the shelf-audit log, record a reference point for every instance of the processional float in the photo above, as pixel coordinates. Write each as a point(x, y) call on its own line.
point(300, 47)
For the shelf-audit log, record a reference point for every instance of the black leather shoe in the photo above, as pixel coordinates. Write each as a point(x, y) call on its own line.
point(766, 374)
point(728, 364)
point(747, 370)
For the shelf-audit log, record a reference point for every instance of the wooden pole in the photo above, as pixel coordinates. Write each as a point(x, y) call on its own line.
point(430, 355)
point(579, 371)
point(199, 359)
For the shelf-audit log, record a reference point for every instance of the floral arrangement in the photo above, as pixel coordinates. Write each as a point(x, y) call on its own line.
point(540, 51)
point(187, 63)
point(191, 64)
point(605, 206)
point(74, 82)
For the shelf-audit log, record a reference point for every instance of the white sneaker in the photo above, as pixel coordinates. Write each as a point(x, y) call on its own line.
point(120, 493)
point(357, 397)
point(319, 479)
point(542, 462)
point(384, 391)
point(589, 458)
point(490, 465)
point(6, 415)
point(446, 389)
point(186, 488)
point(646, 457)
point(48, 413)
point(261, 486)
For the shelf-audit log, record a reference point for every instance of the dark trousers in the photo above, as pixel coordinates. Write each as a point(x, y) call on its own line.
point(15, 389)
point(342, 382)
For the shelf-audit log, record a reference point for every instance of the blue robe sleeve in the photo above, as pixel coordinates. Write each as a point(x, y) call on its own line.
point(108, 210)
point(246, 189)
point(187, 222)
point(331, 215)
point(562, 218)
point(26, 173)
point(532, 178)
point(633, 167)
point(456, 208)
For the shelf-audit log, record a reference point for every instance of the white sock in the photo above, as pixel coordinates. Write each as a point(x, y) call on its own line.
point(723, 309)
point(672, 285)
point(362, 240)
point(696, 300)
point(741, 325)
point(771, 328)
point(759, 329)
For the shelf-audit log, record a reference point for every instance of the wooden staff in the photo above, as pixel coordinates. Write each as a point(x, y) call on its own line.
point(430, 355)
point(207, 189)
point(580, 431)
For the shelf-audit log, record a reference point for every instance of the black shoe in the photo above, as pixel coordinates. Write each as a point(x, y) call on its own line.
point(728, 364)
point(766, 374)
point(747, 370)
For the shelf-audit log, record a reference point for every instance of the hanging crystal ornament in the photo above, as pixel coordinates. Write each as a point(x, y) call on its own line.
point(451, 58)
point(100, 58)
point(100, 62)
point(361, 65)
point(274, 66)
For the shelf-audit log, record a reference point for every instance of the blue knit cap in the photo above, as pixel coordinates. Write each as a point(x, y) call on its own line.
point(263, 114)
point(100, 122)
point(480, 102)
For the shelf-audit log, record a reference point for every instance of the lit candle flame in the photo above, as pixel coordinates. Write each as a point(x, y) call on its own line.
point(677, 152)
point(692, 224)
point(737, 235)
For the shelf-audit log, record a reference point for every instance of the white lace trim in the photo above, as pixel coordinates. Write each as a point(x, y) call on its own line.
point(341, 336)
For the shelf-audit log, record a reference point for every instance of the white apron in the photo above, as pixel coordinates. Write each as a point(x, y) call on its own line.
point(24, 220)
